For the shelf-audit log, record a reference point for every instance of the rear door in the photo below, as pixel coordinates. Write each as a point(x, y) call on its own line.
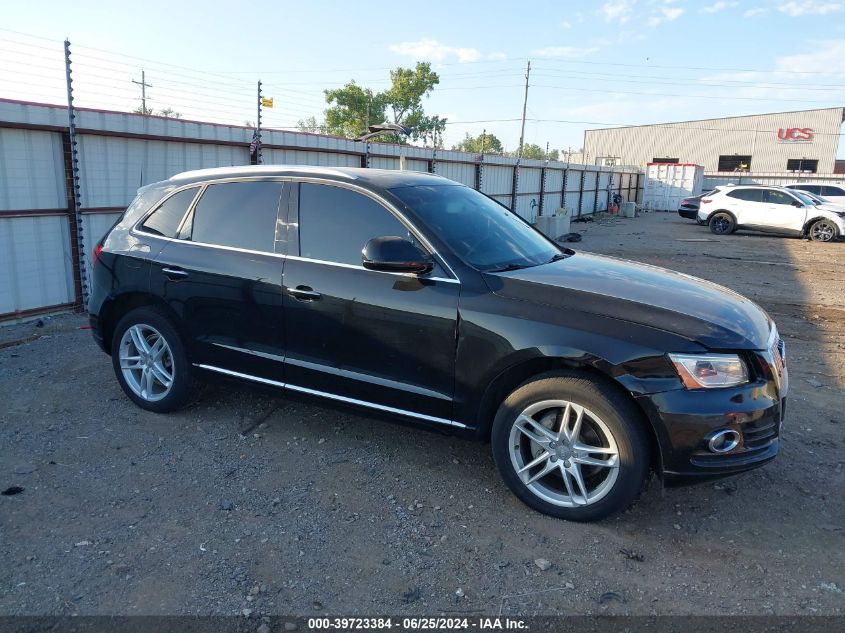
point(222, 276)
point(386, 340)
point(746, 205)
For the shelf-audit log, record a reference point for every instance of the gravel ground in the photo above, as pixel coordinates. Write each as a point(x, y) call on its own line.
point(247, 503)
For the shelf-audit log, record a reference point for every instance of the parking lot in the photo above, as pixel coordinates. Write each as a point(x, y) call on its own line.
point(247, 503)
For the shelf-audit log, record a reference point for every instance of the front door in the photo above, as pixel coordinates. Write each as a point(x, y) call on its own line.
point(783, 211)
point(382, 339)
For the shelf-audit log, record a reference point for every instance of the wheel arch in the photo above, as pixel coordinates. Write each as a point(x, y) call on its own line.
point(728, 211)
point(114, 309)
point(515, 375)
point(806, 230)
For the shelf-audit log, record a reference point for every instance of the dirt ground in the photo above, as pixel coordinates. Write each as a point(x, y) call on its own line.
point(247, 501)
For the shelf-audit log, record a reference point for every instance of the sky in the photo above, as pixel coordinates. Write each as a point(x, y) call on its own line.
point(593, 64)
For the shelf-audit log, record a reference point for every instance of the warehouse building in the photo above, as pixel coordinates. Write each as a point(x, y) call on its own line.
point(805, 141)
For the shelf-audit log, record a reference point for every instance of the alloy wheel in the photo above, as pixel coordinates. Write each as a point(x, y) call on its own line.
point(146, 362)
point(722, 224)
point(564, 453)
point(822, 231)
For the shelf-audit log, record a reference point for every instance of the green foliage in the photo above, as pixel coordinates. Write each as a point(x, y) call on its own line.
point(353, 107)
point(165, 112)
point(474, 144)
point(535, 152)
point(309, 124)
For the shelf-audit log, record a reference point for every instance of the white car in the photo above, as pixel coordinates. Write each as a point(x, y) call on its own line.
point(833, 191)
point(824, 202)
point(770, 209)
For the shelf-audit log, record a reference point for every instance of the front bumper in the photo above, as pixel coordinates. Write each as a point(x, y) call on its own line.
point(683, 420)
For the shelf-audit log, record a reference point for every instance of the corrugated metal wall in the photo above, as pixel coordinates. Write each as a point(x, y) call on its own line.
point(702, 142)
point(119, 152)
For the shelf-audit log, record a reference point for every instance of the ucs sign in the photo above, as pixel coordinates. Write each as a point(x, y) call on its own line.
point(795, 134)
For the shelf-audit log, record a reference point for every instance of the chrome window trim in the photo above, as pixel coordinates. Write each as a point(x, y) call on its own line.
point(369, 270)
point(294, 179)
point(332, 396)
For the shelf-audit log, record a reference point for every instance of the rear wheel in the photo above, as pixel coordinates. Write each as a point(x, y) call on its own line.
point(570, 447)
point(722, 223)
point(823, 231)
point(150, 362)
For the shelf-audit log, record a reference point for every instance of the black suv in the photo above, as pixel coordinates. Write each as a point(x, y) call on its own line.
point(415, 296)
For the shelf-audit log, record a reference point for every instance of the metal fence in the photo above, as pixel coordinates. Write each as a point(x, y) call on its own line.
point(49, 223)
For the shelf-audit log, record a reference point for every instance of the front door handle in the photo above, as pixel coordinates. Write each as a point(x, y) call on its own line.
point(304, 293)
point(174, 273)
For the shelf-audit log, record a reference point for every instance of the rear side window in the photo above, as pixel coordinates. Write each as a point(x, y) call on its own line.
point(239, 215)
point(829, 190)
point(749, 195)
point(165, 220)
point(816, 189)
point(336, 223)
point(773, 196)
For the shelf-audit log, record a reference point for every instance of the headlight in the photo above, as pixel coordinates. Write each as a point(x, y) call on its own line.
point(708, 371)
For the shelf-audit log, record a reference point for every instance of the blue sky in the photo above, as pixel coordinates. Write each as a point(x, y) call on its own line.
point(593, 63)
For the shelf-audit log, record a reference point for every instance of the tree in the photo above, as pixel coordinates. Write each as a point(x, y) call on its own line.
point(535, 152)
point(474, 144)
point(353, 107)
point(168, 112)
point(309, 124)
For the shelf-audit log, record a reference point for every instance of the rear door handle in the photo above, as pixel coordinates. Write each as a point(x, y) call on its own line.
point(174, 273)
point(304, 293)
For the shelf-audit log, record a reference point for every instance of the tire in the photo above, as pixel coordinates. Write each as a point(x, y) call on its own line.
point(722, 223)
point(133, 366)
point(608, 420)
point(823, 230)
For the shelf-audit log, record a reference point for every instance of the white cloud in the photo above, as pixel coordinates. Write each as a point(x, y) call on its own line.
point(827, 57)
point(496, 56)
point(811, 7)
point(566, 25)
point(564, 51)
point(718, 6)
point(435, 51)
point(667, 14)
point(617, 10)
point(750, 13)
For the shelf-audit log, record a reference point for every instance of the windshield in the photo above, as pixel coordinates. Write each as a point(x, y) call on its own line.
point(803, 197)
point(483, 233)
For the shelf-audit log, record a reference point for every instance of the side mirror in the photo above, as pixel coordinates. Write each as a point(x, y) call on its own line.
point(396, 255)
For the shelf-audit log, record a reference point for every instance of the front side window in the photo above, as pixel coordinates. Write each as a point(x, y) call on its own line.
point(336, 223)
point(483, 233)
point(749, 195)
point(773, 196)
point(238, 215)
point(166, 219)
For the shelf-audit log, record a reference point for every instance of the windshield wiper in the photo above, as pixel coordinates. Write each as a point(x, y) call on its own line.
point(505, 269)
point(557, 257)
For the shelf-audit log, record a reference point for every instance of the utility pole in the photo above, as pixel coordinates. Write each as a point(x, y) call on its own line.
point(483, 138)
point(144, 85)
point(524, 107)
point(547, 151)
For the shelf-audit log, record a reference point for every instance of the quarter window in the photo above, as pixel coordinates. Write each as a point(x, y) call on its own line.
point(166, 219)
point(335, 223)
point(239, 215)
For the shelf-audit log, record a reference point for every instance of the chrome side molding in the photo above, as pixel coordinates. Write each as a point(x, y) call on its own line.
point(332, 396)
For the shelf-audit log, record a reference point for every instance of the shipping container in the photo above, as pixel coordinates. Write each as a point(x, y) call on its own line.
point(666, 184)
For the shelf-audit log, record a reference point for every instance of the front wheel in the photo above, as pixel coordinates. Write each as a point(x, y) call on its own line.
point(150, 362)
point(722, 223)
point(823, 231)
point(571, 447)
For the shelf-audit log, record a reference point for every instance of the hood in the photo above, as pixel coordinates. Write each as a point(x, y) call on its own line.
point(698, 310)
point(833, 208)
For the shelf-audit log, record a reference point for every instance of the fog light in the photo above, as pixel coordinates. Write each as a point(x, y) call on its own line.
point(723, 441)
